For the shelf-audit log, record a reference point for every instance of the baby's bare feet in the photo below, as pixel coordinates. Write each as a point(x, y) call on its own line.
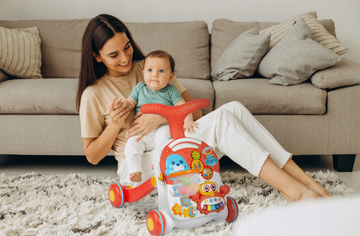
point(135, 177)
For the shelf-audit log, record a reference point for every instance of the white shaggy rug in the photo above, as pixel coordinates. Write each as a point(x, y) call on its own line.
point(77, 204)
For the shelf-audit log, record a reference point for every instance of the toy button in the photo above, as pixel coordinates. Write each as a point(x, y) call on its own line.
point(213, 207)
point(205, 207)
point(221, 204)
point(209, 208)
point(217, 206)
point(193, 211)
point(185, 201)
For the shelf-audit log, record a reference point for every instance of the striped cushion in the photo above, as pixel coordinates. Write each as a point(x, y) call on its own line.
point(320, 34)
point(20, 52)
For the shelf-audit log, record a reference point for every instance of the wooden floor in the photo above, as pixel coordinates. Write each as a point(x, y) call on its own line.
point(17, 165)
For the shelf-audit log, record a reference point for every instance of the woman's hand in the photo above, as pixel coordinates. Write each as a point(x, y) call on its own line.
point(119, 111)
point(144, 124)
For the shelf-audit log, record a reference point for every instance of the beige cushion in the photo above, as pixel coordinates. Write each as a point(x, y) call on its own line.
point(296, 57)
point(41, 96)
point(320, 34)
point(187, 42)
point(260, 97)
point(344, 73)
point(20, 52)
point(242, 57)
point(224, 32)
point(199, 88)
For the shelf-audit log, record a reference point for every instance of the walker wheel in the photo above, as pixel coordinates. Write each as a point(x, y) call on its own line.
point(156, 223)
point(117, 195)
point(233, 210)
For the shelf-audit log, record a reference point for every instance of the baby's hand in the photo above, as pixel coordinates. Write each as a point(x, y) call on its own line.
point(190, 125)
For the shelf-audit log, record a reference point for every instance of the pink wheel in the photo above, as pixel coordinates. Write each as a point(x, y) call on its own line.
point(233, 210)
point(117, 195)
point(156, 223)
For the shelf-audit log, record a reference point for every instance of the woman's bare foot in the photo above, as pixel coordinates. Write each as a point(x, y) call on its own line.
point(135, 177)
point(315, 186)
point(302, 193)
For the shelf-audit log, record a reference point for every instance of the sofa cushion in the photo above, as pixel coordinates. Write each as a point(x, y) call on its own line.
point(226, 31)
point(344, 73)
point(199, 88)
point(260, 97)
point(242, 57)
point(57, 96)
point(187, 42)
point(321, 35)
point(60, 45)
point(296, 57)
point(28, 96)
point(20, 52)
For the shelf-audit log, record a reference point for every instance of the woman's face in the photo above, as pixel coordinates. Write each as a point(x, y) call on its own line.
point(116, 54)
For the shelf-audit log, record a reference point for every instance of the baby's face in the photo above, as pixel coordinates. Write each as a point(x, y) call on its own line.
point(157, 73)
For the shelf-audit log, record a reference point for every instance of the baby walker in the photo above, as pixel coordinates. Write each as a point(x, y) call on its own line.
point(187, 175)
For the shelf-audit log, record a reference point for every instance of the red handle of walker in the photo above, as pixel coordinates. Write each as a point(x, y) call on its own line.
point(175, 115)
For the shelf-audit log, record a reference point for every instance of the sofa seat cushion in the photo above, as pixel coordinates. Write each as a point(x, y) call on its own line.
point(260, 97)
point(199, 88)
point(41, 96)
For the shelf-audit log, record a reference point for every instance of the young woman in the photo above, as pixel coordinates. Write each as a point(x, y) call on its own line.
point(111, 66)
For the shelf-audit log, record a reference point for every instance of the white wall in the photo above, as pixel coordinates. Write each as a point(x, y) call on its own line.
point(345, 13)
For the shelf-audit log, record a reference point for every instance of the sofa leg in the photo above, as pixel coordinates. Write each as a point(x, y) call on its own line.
point(344, 163)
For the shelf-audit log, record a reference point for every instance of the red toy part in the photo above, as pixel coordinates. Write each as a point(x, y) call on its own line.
point(119, 194)
point(156, 222)
point(233, 210)
point(224, 189)
point(175, 115)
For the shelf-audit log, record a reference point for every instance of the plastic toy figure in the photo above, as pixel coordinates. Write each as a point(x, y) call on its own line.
point(187, 176)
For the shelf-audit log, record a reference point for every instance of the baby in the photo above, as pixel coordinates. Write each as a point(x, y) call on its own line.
point(158, 71)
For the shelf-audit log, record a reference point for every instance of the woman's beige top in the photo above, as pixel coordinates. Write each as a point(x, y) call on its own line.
point(94, 115)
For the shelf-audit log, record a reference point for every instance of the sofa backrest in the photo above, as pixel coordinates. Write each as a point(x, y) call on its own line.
point(225, 31)
point(187, 42)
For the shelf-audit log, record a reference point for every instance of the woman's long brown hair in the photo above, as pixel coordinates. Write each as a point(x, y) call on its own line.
point(99, 30)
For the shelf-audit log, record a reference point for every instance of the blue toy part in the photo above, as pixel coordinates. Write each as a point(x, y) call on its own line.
point(175, 163)
point(211, 160)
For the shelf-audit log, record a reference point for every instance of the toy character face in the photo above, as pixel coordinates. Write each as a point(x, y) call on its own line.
point(175, 163)
point(208, 188)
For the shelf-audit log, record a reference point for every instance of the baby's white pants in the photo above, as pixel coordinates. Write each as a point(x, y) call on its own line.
point(134, 151)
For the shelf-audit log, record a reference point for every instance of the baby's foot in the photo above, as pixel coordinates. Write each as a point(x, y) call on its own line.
point(136, 177)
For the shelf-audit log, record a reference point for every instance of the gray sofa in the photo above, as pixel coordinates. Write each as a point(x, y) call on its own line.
point(38, 116)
